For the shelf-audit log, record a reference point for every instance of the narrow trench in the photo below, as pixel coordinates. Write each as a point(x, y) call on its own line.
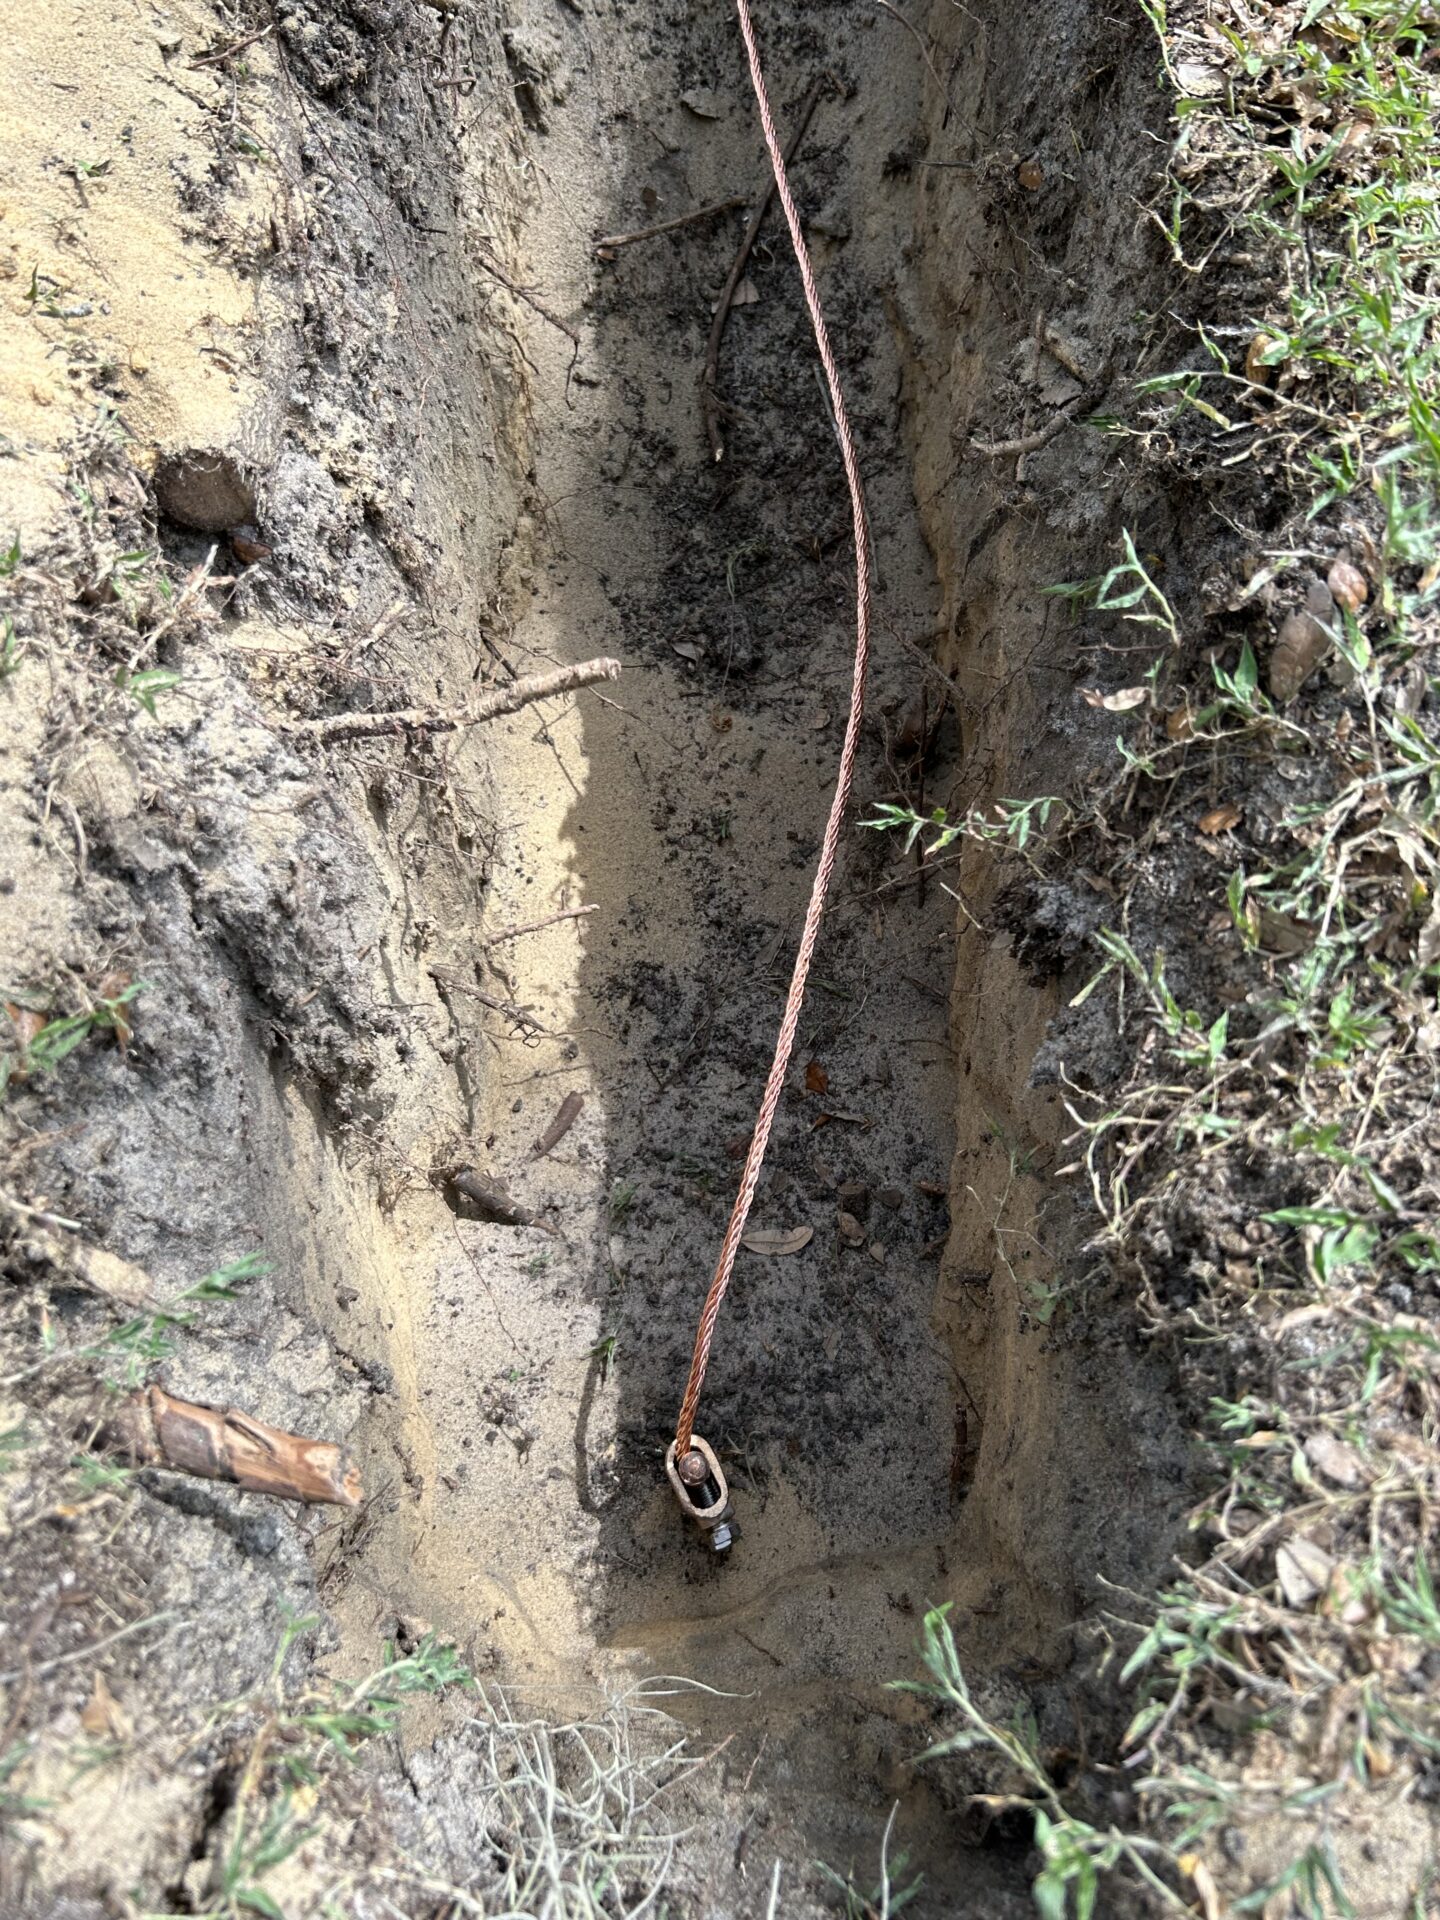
point(861, 1384)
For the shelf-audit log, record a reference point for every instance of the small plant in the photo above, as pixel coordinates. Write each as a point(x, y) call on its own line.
point(147, 685)
point(1128, 588)
point(44, 1047)
point(1005, 823)
point(886, 1897)
point(146, 1339)
point(604, 1352)
point(622, 1199)
point(1073, 1852)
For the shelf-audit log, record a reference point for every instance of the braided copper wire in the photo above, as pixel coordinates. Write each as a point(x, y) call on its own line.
point(794, 999)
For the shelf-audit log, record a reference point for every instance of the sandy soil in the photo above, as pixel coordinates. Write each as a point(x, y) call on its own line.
point(298, 264)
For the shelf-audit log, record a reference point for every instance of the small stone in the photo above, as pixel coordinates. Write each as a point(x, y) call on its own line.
point(204, 488)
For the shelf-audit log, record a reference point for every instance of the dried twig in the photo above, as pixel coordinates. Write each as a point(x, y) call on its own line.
point(521, 293)
point(494, 1201)
point(569, 1112)
point(1027, 442)
point(220, 1443)
point(710, 375)
point(609, 243)
point(485, 706)
point(534, 926)
point(93, 1268)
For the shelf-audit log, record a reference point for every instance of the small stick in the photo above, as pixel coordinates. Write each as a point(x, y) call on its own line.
point(1027, 442)
point(569, 1112)
point(220, 1443)
point(520, 294)
point(534, 926)
point(485, 706)
point(494, 1200)
point(520, 1015)
point(609, 243)
point(710, 375)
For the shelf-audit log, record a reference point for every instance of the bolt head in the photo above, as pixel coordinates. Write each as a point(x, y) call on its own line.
point(721, 1538)
point(692, 1468)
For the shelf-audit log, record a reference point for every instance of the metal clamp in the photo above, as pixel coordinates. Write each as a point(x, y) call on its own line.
point(698, 1482)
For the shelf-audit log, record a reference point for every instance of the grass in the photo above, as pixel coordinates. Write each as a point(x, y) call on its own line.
point(1262, 1175)
point(44, 1044)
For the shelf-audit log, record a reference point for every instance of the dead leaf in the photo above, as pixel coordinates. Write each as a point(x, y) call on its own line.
point(1337, 1460)
point(1180, 724)
point(737, 1146)
point(1120, 702)
point(747, 294)
point(1199, 78)
point(703, 102)
point(1259, 371)
point(851, 1231)
point(1282, 932)
point(688, 649)
point(26, 1022)
point(817, 1080)
point(1031, 175)
point(1204, 1883)
point(763, 1240)
point(1301, 645)
point(1220, 820)
point(820, 722)
point(1303, 1570)
point(102, 1716)
point(721, 721)
point(1348, 585)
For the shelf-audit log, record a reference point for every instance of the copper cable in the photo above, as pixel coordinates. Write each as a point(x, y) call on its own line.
point(794, 999)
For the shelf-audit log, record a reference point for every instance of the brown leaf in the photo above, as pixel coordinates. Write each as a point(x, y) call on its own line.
point(688, 650)
point(817, 1080)
point(763, 1240)
point(1302, 644)
point(102, 1717)
point(1220, 820)
point(1120, 702)
point(747, 294)
point(1348, 585)
point(1031, 175)
point(1204, 1883)
point(26, 1022)
point(851, 1231)
point(1180, 724)
point(1256, 370)
point(1282, 932)
point(721, 721)
point(820, 722)
point(1303, 1570)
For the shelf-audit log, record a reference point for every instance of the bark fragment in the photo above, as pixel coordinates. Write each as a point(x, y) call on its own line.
point(220, 1443)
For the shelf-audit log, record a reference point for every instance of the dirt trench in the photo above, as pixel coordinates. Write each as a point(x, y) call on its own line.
point(898, 1427)
point(902, 1421)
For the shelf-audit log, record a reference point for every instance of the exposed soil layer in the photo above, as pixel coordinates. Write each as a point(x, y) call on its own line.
point(466, 448)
